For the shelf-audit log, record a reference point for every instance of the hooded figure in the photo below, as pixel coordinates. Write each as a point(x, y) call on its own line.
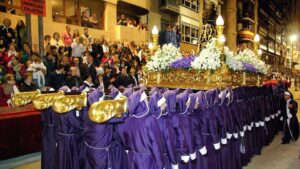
point(159, 108)
point(69, 139)
point(291, 124)
point(182, 124)
point(142, 135)
point(49, 139)
point(102, 151)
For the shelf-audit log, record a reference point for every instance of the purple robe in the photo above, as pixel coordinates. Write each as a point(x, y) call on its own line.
point(142, 135)
point(182, 124)
point(101, 150)
point(165, 125)
point(49, 151)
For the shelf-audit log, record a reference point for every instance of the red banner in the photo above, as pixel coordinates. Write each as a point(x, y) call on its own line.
point(35, 7)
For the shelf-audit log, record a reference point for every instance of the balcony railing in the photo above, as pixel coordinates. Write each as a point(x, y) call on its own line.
point(169, 6)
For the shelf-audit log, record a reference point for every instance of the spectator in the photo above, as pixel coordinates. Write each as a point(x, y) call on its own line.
point(47, 40)
point(73, 80)
point(122, 20)
point(130, 23)
point(105, 47)
point(90, 68)
point(88, 38)
point(6, 32)
point(38, 70)
point(62, 52)
point(2, 50)
point(84, 19)
point(17, 69)
point(10, 53)
point(77, 48)
point(122, 80)
point(94, 20)
point(76, 34)
point(56, 41)
point(133, 77)
point(97, 51)
point(88, 82)
point(108, 77)
point(80, 70)
point(100, 82)
point(66, 36)
point(8, 89)
point(57, 79)
point(50, 60)
point(66, 63)
point(25, 53)
point(27, 85)
point(20, 34)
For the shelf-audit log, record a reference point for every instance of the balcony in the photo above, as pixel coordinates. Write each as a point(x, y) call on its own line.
point(131, 34)
point(169, 6)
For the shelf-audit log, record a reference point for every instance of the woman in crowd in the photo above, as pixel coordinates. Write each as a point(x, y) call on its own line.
point(21, 34)
point(25, 53)
point(56, 41)
point(17, 69)
point(47, 39)
point(38, 70)
point(76, 34)
point(10, 53)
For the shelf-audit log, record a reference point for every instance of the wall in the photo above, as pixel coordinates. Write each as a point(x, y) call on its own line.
point(141, 3)
point(131, 34)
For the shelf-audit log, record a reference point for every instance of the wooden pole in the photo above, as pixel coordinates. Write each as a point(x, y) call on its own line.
point(28, 28)
point(41, 35)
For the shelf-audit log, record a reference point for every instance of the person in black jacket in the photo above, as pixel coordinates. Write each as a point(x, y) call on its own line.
point(27, 84)
point(57, 79)
point(108, 77)
point(90, 69)
point(6, 32)
point(133, 77)
point(122, 79)
point(73, 81)
point(97, 52)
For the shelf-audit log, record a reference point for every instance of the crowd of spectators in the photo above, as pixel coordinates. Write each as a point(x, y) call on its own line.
point(70, 59)
point(132, 23)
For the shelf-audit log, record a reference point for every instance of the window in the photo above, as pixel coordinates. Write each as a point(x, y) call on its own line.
point(192, 4)
point(189, 34)
point(11, 6)
point(79, 12)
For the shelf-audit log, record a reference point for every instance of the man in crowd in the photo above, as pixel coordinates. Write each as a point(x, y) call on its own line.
point(27, 84)
point(73, 81)
point(122, 80)
point(57, 79)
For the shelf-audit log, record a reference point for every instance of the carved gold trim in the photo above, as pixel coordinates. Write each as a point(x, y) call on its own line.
point(204, 80)
point(23, 98)
point(102, 111)
point(43, 101)
point(66, 103)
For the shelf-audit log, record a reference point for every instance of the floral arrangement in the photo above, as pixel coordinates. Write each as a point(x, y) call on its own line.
point(163, 58)
point(231, 60)
point(209, 58)
point(249, 57)
point(183, 63)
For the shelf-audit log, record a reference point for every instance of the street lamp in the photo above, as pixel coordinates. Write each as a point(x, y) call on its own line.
point(154, 35)
point(256, 43)
point(293, 39)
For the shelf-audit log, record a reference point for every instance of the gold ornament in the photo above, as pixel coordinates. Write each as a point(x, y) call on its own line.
point(23, 98)
point(43, 101)
point(66, 103)
point(102, 111)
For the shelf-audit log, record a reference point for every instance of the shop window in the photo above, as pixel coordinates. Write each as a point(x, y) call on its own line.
point(11, 6)
point(79, 12)
point(189, 34)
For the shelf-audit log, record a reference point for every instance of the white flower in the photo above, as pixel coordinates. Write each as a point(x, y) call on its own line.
point(209, 58)
point(231, 61)
point(162, 59)
point(248, 56)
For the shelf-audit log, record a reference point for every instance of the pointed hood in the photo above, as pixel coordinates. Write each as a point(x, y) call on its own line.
point(137, 104)
point(170, 97)
point(152, 90)
point(154, 104)
point(182, 100)
point(128, 91)
point(211, 97)
point(193, 99)
point(113, 92)
point(65, 89)
point(202, 100)
point(94, 96)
